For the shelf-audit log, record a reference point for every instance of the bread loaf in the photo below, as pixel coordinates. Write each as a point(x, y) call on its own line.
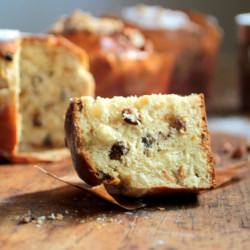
point(50, 71)
point(122, 61)
point(141, 145)
point(192, 36)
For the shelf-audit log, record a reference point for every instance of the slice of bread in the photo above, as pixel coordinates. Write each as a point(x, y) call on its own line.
point(50, 70)
point(141, 145)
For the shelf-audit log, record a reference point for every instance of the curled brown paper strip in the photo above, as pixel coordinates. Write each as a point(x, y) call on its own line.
point(99, 190)
point(223, 175)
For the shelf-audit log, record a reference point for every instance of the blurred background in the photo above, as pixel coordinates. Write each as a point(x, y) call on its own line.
point(37, 16)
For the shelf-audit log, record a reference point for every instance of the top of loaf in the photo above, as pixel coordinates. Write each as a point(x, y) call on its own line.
point(152, 17)
point(109, 28)
point(83, 21)
point(58, 41)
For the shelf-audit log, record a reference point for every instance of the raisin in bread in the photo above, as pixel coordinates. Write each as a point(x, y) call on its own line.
point(122, 61)
point(51, 70)
point(141, 145)
point(9, 90)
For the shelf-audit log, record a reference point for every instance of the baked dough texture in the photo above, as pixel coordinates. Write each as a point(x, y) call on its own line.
point(44, 72)
point(140, 146)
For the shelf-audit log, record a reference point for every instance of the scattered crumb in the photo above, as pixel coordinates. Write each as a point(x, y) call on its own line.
point(82, 221)
point(17, 217)
point(40, 220)
point(159, 242)
point(59, 216)
point(26, 218)
point(66, 212)
point(128, 213)
point(52, 216)
point(161, 208)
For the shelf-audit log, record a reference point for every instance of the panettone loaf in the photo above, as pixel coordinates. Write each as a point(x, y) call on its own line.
point(122, 61)
point(51, 70)
point(141, 145)
point(192, 36)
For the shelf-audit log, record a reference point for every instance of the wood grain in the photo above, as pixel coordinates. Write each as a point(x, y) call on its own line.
point(219, 219)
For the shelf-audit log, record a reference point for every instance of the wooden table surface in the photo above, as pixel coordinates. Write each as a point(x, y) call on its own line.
point(218, 219)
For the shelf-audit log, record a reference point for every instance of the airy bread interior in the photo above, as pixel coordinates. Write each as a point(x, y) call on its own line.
point(146, 142)
point(50, 75)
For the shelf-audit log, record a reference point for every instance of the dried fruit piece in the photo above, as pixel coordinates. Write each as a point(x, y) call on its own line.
point(36, 120)
point(178, 124)
point(47, 141)
point(118, 149)
point(8, 57)
point(148, 140)
point(131, 116)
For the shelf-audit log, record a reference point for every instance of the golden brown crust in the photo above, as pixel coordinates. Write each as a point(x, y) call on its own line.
point(212, 32)
point(195, 50)
point(84, 21)
point(59, 41)
point(208, 31)
point(205, 140)
point(8, 129)
point(72, 133)
point(9, 118)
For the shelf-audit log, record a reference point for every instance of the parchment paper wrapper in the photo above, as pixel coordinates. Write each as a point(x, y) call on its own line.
point(99, 190)
point(223, 176)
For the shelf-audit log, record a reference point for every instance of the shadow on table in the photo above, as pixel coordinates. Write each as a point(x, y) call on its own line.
point(77, 204)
